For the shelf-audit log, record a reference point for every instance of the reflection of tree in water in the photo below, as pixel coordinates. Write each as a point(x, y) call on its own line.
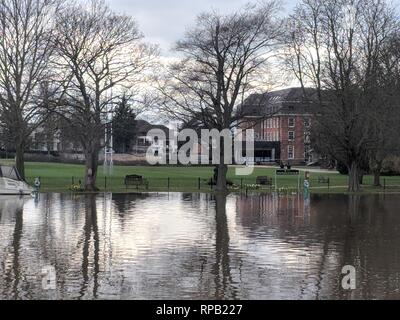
point(222, 266)
point(363, 231)
point(90, 230)
point(370, 244)
point(198, 269)
point(14, 274)
point(127, 201)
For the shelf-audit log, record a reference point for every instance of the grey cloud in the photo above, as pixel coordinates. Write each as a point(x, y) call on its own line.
point(165, 21)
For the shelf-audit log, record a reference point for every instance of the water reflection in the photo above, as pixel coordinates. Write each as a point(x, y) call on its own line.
point(199, 246)
point(90, 234)
point(222, 274)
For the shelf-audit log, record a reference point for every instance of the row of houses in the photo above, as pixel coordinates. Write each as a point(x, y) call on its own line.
point(281, 121)
point(58, 143)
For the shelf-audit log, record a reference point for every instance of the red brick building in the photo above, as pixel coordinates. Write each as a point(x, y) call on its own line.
point(281, 121)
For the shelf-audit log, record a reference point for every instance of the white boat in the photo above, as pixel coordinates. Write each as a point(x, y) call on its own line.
point(11, 182)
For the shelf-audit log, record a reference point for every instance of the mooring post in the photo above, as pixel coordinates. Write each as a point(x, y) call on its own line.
point(199, 182)
point(168, 183)
point(105, 182)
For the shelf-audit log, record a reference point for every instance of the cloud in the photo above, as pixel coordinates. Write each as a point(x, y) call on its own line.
point(165, 21)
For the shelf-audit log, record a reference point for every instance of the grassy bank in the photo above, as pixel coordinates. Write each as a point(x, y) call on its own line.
point(57, 177)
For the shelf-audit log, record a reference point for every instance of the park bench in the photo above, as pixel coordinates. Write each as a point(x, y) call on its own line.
point(322, 179)
point(135, 180)
point(264, 181)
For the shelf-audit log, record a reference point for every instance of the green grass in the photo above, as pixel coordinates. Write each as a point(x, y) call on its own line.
point(57, 177)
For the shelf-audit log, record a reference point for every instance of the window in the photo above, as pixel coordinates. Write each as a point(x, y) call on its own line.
point(291, 135)
point(291, 122)
point(290, 152)
point(307, 122)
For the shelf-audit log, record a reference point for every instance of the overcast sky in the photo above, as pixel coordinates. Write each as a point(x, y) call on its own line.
point(164, 21)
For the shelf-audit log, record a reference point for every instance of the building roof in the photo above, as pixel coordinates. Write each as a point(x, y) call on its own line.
point(286, 101)
point(143, 127)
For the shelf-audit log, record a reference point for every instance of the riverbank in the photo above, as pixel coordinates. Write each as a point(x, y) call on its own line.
point(56, 177)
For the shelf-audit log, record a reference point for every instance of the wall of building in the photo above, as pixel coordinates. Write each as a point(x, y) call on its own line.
point(293, 133)
point(291, 130)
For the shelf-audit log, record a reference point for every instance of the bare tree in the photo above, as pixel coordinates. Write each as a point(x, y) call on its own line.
point(385, 99)
point(100, 53)
point(335, 47)
point(222, 56)
point(26, 31)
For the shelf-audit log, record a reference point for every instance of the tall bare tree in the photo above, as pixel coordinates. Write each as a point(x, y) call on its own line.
point(101, 55)
point(222, 56)
point(336, 46)
point(385, 99)
point(26, 34)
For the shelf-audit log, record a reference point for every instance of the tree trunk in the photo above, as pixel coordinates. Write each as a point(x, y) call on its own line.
point(222, 169)
point(221, 178)
point(19, 159)
point(377, 178)
point(92, 162)
point(361, 177)
point(354, 178)
point(377, 174)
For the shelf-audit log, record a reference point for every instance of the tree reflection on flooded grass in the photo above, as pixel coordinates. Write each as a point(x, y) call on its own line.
point(199, 246)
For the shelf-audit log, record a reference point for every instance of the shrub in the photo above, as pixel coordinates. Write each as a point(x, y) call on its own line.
point(391, 166)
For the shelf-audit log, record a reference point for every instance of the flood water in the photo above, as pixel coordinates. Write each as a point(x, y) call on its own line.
point(199, 246)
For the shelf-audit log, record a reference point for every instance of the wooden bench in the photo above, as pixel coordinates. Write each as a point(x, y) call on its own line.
point(322, 179)
point(264, 181)
point(135, 180)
